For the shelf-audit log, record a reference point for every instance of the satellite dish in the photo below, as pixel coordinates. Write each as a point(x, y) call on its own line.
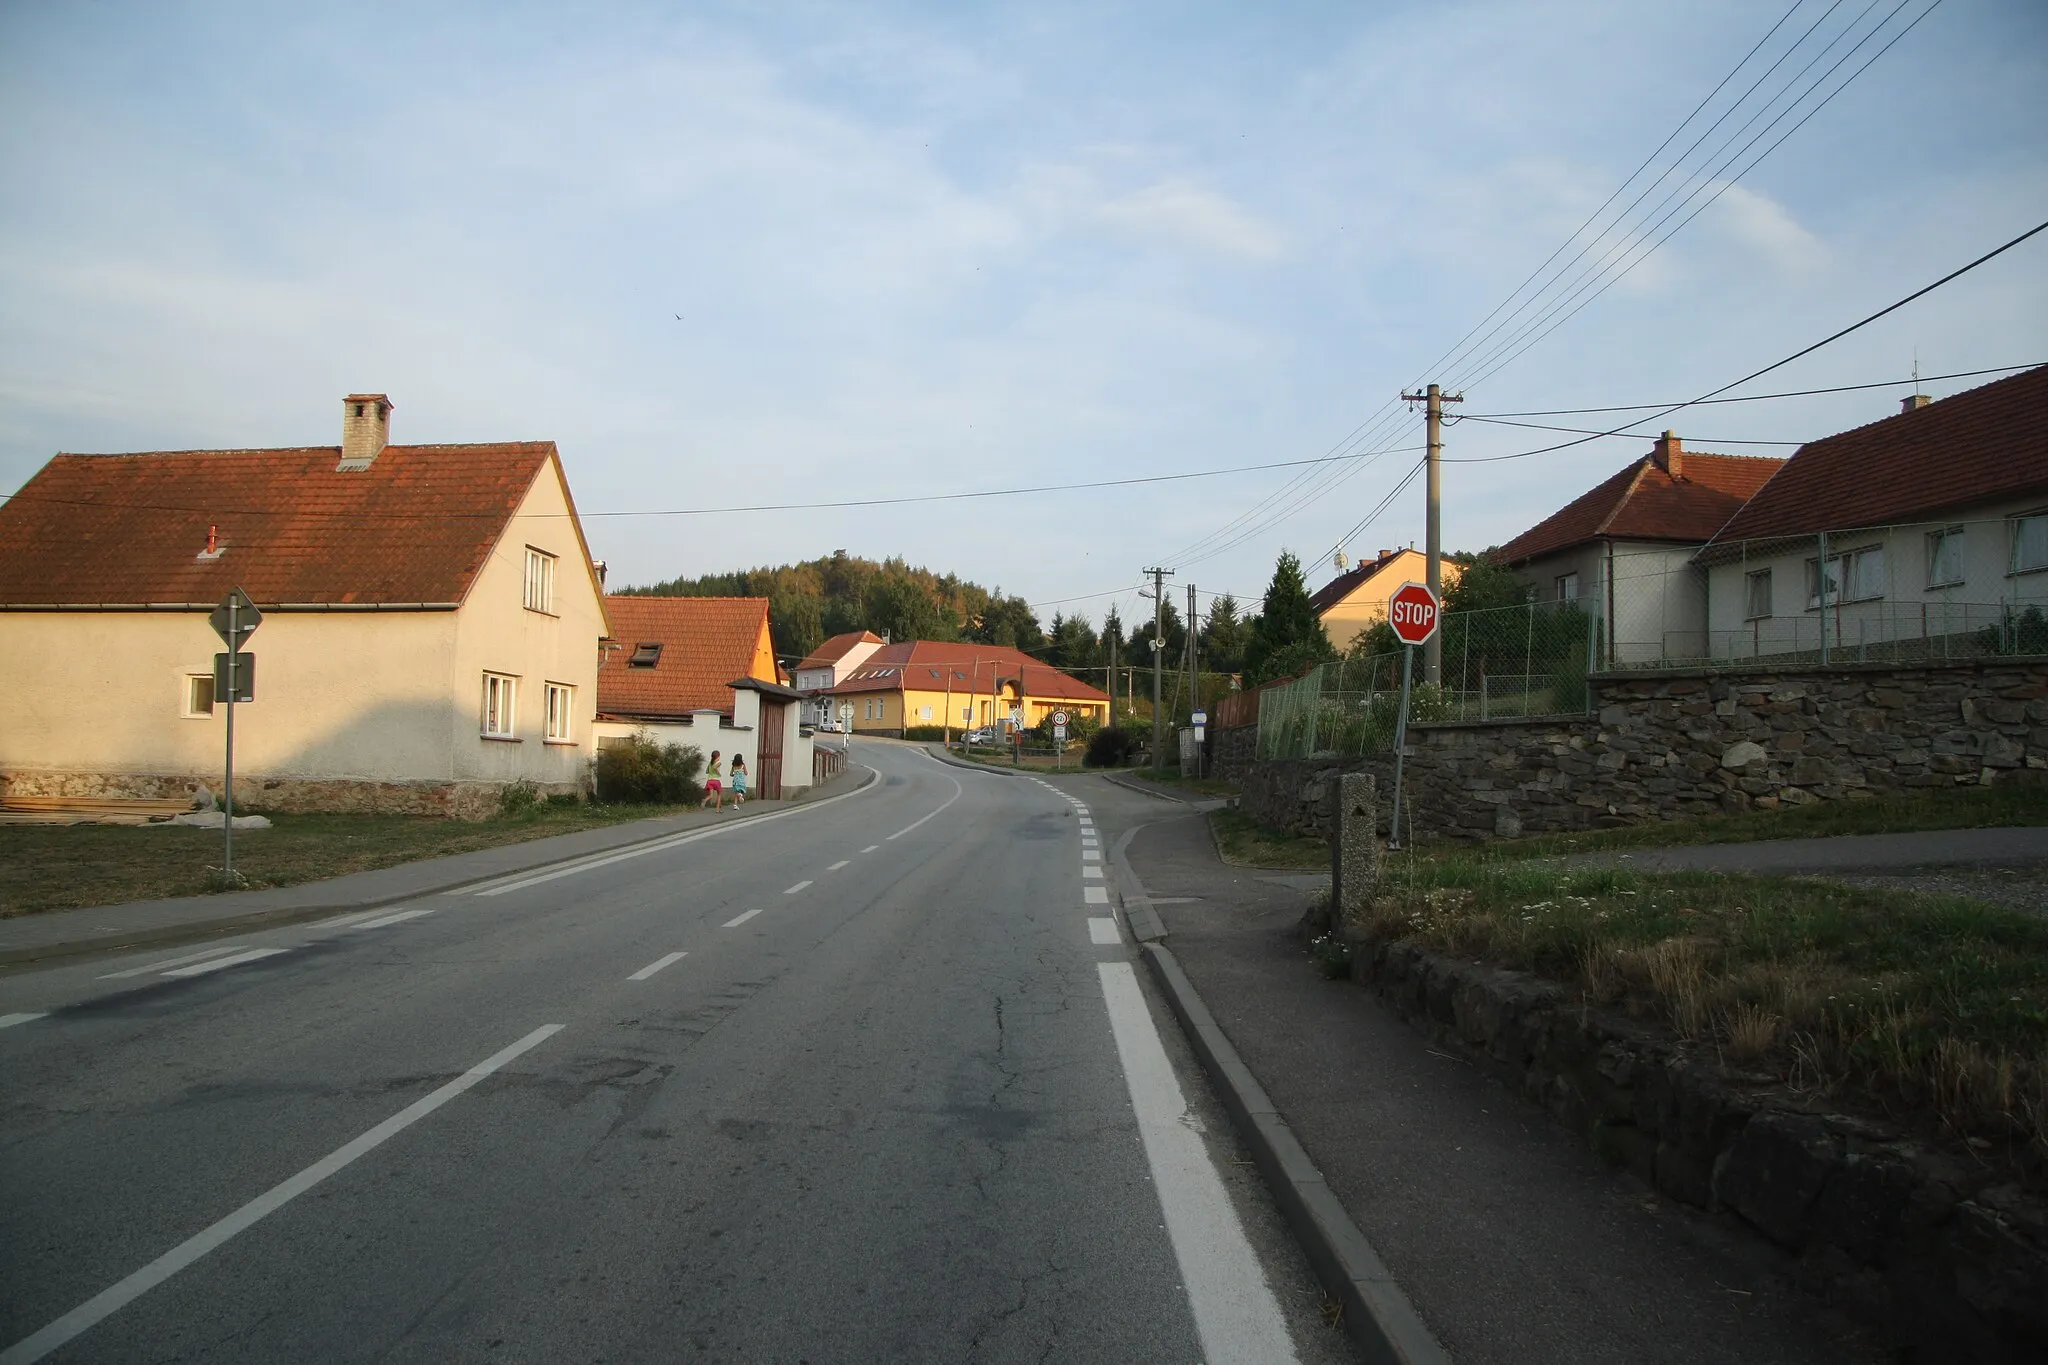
point(1341, 560)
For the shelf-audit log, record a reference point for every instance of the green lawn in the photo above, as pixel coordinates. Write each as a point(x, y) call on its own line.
point(1245, 843)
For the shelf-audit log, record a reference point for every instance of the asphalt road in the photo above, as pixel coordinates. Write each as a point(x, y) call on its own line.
point(876, 1082)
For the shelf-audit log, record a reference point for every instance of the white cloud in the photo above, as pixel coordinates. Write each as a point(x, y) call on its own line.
point(1181, 210)
point(1760, 222)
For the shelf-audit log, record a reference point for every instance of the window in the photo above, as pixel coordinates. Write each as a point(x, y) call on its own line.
point(501, 703)
point(198, 695)
point(1852, 576)
point(540, 580)
point(561, 709)
point(1757, 595)
point(1568, 587)
point(1945, 558)
point(645, 655)
point(2030, 543)
point(924, 713)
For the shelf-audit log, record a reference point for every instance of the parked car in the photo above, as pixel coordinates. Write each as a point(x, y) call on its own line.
point(985, 735)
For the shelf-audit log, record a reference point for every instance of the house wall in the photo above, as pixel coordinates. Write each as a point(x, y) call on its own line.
point(1657, 602)
point(705, 731)
point(1910, 609)
point(1366, 605)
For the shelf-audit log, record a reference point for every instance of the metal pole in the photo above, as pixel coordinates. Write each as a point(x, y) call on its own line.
point(227, 821)
point(1401, 745)
point(1822, 578)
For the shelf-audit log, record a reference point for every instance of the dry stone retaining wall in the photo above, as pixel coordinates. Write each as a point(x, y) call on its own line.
point(458, 800)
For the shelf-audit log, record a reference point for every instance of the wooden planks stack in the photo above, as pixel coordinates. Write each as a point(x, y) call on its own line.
point(89, 810)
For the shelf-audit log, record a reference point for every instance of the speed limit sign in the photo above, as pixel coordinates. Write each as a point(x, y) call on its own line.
point(1059, 718)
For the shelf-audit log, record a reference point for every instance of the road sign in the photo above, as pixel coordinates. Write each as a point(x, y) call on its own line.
point(1199, 719)
point(1059, 732)
point(235, 619)
point(244, 686)
point(1413, 612)
point(1059, 718)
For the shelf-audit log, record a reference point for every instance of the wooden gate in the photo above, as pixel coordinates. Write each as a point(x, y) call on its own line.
point(774, 720)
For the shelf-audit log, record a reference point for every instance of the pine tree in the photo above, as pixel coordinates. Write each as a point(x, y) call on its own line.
point(1289, 637)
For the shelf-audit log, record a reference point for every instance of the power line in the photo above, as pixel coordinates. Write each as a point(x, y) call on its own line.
point(1753, 397)
point(1703, 440)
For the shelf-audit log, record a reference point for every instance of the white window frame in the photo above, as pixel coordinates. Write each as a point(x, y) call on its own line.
point(185, 702)
point(1751, 581)
point(1845, 572)
point(1567, 586)
point(2017, 541)
point(540, 581)
point(500, 717)
point(1946, 542)
point(559, 718)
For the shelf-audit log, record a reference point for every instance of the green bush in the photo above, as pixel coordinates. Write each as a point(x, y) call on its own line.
point(1111, 747)
point(643, 772)
point(924, 732)
point(518, 798)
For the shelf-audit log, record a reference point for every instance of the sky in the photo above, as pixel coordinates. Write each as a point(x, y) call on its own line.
point(747, 254)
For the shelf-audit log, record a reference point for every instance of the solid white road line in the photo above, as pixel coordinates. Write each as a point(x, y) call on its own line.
point(651, 968)
point(1102, 931)
point(10, 1020)
point(836, 866)
point(110, 1301)
point(174, 961)
point(738, 920)
point(202, 968)
point(1235, 1314)
point(798, 887)
point(382, 920)
point(1095, 895)
point(343, 921)
point(958, 792)
point(871, 848)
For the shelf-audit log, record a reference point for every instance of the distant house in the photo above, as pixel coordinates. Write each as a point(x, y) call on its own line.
point(924, 682)
point(429, 635)
point(700, 671)
point(1356, 600)
point(826, 665)
point(1624, 550)
point(1929, 525)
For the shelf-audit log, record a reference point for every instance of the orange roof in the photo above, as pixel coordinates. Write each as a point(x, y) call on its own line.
point(703, 644)
point(836, 648)
point(926, 665)
point(1988, 442)
point(1645, 501)
point(128, 530)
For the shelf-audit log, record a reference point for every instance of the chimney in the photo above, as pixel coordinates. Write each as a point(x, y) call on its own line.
point(1918, 400)
point(1670, 454)
point(365, 431)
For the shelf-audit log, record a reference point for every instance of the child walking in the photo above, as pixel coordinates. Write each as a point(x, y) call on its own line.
point(714, 790)
point(739, 779)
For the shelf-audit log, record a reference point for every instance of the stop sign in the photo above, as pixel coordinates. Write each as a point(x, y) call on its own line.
point(1413, 612)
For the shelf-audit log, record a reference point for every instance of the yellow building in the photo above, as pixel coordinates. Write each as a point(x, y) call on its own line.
point(925, 682)
point(1355, 601)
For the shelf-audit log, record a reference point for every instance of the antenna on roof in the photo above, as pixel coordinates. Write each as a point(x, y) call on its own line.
point(1341, 560)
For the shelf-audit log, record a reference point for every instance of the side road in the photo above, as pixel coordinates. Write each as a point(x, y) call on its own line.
point(1507, 1236)
point(30, 939)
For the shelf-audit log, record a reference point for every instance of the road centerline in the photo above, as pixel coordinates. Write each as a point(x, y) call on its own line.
point(737, 920)
point(216, 951)
point(651, 968)
point(201, 968)
point(791, 891)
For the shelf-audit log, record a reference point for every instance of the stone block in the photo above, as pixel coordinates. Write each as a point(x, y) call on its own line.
point(1741, 754)
point(1354, 849)
point(1774, 1173)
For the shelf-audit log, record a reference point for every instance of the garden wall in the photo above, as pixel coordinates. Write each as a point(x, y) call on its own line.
point(1670, 745)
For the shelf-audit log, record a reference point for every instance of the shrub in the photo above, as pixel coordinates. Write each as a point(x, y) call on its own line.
point(924, 732)
point(641, 771)
point(518, 798)
point(1111, 747)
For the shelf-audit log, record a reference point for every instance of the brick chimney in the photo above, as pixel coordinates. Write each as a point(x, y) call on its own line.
point(1670, 454)
point(1912, 401)
point(365, 431)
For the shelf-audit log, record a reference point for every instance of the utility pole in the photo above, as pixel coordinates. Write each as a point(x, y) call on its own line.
point(1159, 577)
point(1433, 542)
point(1194, 700)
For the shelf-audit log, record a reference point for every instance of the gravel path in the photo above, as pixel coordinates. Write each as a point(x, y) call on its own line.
point(2024, 887)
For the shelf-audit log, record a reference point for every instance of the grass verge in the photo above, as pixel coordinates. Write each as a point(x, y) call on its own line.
point(60, 868)
point(1953, 808)
point(1918, 1004)
point(1246, 843)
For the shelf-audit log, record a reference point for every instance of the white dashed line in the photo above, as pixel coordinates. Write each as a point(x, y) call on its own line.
point(1102, 932)
point(1091, 855)
point(174, 961)
point(399, 918)
point(794, 889)
point(651, 968)
point(202, 968)
point(871, 848)
point(836, 866)
point(10, 1020)
point(737, 920)
point(1095, 895)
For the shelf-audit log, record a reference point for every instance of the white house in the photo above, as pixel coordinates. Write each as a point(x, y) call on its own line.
point(829, 665)
point(1920, 535)
point(1624, 550)
point(430, 623)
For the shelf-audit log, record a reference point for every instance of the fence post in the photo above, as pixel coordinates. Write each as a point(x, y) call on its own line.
point(1821, 582)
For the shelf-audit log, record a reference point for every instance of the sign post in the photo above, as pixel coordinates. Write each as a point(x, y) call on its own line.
point(1200, 720)
point(234, 620)
point(1059, 739)
point(1414, 613)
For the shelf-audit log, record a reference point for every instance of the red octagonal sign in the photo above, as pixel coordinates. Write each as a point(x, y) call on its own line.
point(1413, 612)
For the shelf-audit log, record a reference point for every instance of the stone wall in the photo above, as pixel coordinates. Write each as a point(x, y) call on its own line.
point(1948, 1254)
point(1669, 745)
point(1230, 751)
point(456, 800)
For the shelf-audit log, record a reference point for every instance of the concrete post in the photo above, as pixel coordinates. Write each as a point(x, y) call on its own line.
point(1354, 852)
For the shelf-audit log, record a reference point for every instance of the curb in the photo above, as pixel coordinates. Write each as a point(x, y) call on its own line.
point(192, 931)
point(1146, 791)
point(1376, 1311)
point(945, 757)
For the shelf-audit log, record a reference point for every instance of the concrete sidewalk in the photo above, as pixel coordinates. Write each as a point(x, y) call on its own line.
point(27, 940)
point(1840, 853)
point(1513, 1243)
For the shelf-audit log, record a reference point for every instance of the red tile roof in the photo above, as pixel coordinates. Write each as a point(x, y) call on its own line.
point(1988, 442)
point(415, 527)
point(836, 648)
point(924, 665)
point(707, 643)
point(1644, 501)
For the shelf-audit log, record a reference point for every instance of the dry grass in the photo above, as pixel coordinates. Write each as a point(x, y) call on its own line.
point(1244, 842)
point(1916, 1003)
